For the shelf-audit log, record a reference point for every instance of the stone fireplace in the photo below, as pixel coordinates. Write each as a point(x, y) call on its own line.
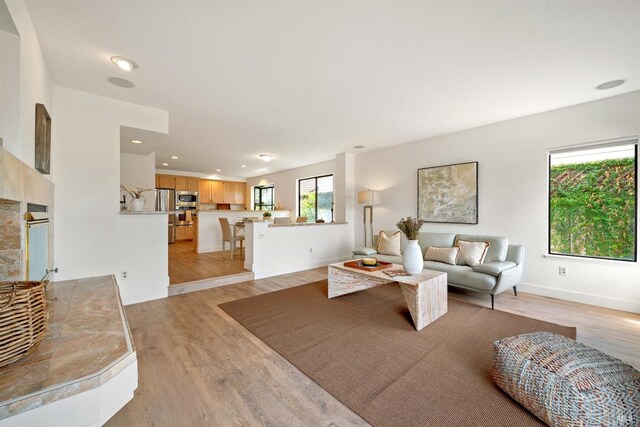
point(20, 185)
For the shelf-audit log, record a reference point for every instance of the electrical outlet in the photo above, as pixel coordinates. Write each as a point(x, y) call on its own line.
point(124, 275)
point(260, 235)
point(310, 250)
point(563, 271)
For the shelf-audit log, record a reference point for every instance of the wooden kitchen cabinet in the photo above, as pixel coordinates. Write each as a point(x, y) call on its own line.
point(217, 192)
point(193, 184)
point(184, 233)
point(240, 190)
point(229, 192)
point(182, 183)
point(204, 191)
point(165, 181)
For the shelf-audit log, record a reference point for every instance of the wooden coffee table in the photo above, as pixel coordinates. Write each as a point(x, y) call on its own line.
point(425, 292)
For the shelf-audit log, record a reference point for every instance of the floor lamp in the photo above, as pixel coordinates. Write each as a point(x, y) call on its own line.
point(368, 199)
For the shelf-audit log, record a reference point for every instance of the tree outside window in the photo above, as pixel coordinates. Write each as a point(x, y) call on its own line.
point(315, 198)
point(593, 201)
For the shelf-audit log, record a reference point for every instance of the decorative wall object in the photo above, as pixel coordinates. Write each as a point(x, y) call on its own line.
point(43, 140)
point(449, 193)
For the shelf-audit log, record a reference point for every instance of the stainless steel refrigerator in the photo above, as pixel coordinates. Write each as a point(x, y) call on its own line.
point(166, 202)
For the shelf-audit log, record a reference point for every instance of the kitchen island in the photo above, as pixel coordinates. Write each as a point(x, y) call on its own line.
point(210, 233)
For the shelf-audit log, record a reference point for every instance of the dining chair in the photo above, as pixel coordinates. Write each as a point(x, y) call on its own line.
point(227, 236)
point(301, 219)
point(282, 221)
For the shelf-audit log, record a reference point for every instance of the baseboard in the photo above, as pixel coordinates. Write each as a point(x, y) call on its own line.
point(205, 249)
point(261, 273)
point(581, 297)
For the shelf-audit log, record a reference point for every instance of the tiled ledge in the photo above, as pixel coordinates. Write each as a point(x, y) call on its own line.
point(88, 342)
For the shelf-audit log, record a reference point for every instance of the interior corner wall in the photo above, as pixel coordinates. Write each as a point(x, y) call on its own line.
point(512, 195)
point(286, 183)
point(92, 237)
point(35, 81)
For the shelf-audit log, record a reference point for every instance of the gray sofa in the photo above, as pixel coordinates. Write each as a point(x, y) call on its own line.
point(502, 268)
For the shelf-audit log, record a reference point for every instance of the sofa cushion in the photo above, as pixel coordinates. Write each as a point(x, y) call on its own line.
point(439, 240)
point(463, 276)
point(498, 245)
point(471, 253)
point(389, 244)
point(446, 255)
point(493, 268)
point(365, 251)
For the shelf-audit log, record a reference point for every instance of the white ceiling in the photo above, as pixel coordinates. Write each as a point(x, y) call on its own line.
point(305, 80)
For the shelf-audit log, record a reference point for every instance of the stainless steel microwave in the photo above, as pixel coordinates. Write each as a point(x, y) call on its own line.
point(186, 199)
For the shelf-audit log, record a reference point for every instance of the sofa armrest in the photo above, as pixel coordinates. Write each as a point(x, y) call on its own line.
point(365, 251)
point(515, 253)
point(494, 268)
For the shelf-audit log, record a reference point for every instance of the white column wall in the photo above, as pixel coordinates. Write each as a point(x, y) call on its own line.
point(92, 238)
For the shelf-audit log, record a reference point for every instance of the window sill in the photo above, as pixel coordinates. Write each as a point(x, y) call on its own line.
point(592, 260)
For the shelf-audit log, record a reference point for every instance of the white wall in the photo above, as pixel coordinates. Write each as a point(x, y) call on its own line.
point(92, 238)
point(279, 250)
point(139, 171)
point(10, 90)
point(35, 82)
point(512, 158)
point(286, 183)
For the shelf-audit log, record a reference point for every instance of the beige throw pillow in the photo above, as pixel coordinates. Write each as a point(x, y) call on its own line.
point(471, 253)
point(389, 245)
point(446, 255)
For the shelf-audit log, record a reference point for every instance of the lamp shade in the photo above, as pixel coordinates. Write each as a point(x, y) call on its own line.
point(369, 197)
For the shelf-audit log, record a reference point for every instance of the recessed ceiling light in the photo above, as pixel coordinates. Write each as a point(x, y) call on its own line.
point(243, 166)
point(165, 164)
point(266, 157)
point(358, 147)
point(124, 63)
point(174, 157)
point(610, 85)
point(120, 82)
point(260, 170)
point(136, 141)
point(218, 170)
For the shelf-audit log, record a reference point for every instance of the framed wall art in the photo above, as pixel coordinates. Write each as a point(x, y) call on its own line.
point(449, 194)
point(43, 140)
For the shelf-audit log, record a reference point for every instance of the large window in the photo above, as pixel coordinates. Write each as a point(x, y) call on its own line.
point(593, 201)
point(263, 197)
point(315, 198)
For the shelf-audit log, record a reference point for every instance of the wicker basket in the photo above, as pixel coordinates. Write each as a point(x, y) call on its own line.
point(23, 319)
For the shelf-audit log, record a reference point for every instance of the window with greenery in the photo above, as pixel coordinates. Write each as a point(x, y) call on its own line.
point(263, 197)
point(593, 201)
point(315, 198)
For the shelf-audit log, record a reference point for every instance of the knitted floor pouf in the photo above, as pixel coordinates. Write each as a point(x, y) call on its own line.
point(565, 383)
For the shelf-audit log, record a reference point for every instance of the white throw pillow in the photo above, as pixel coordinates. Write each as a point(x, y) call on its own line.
point(446, 255)
point(471, 253)
point(389, 245)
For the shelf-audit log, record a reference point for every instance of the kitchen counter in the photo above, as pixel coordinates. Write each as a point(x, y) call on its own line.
point(149, 212)
point(306, 224)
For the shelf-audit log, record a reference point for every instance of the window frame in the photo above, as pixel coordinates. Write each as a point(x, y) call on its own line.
point(618, 141)
point(315, 178)
point(273, 197)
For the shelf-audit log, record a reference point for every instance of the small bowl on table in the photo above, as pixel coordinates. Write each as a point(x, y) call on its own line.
point(369, 262)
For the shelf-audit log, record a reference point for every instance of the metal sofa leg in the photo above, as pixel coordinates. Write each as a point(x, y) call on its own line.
point(492, 306)
point(515, 291)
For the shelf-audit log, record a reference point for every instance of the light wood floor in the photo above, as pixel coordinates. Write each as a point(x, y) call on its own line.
point(197, 366)
point(185, 265)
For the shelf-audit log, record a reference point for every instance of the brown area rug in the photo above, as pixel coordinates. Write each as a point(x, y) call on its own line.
point(363, 349)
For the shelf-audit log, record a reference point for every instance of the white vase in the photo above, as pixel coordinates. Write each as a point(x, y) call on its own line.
point(137, 205)
point(412, 257)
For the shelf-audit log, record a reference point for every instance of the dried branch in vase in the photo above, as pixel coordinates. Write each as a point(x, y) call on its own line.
point(410, 227)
